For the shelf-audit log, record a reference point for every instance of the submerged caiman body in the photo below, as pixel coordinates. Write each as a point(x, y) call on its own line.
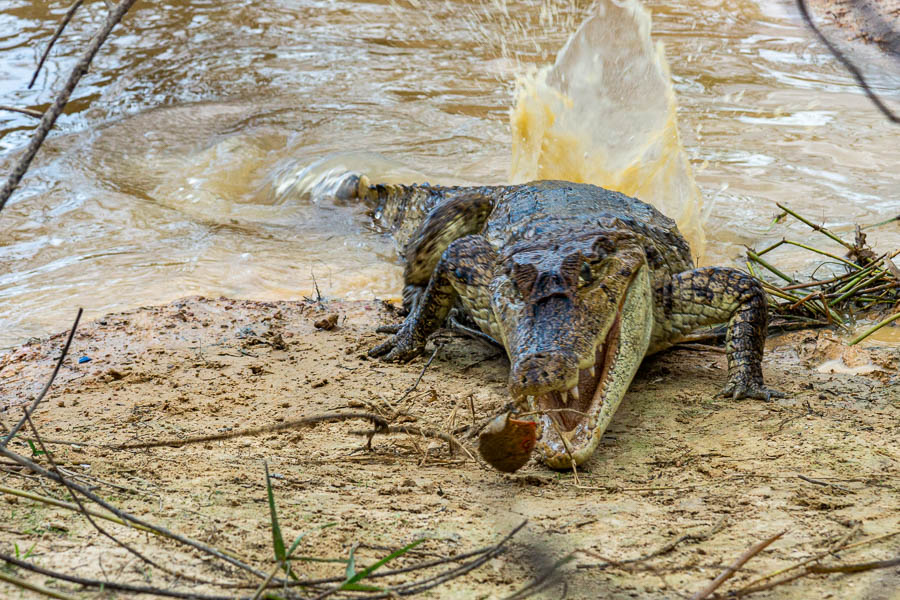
point(577, 283)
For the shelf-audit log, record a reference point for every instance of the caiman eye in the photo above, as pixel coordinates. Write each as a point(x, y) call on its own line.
point(586, 276)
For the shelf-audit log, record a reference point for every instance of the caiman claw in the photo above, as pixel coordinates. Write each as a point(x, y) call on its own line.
point(749, 389)
point(401, 347)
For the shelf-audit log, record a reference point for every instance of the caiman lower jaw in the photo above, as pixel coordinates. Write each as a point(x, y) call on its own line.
point(571, 426)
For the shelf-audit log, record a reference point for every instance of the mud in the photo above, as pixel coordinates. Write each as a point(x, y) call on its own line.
point(677, 459)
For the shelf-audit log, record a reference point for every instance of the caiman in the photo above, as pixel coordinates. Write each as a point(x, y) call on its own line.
point(576, 282)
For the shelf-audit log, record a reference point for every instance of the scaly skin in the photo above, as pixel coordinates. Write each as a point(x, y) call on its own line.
point(577, 283)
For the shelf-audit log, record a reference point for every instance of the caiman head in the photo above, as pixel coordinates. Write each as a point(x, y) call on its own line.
point(575, 314)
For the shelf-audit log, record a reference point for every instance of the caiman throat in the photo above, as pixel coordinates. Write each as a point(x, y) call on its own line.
point(577, 283)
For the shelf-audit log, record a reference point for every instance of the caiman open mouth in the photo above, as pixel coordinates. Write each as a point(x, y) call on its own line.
point(568, 409)
point(573, 420)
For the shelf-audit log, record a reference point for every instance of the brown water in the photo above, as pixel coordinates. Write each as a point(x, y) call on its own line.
point(186, 161)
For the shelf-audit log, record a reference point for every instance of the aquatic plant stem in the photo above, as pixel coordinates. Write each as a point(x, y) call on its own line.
point(754, 256)
point(818, 228)
point(824, 253)
point(873, 329)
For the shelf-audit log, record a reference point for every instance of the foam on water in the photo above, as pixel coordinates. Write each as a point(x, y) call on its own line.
point(605, 113)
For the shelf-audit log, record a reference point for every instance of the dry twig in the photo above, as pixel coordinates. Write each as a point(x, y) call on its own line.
point(42, 472)
point(59, 29)
point(746, 556)
point(55, 109)
point(43, 393)
point(25, 111)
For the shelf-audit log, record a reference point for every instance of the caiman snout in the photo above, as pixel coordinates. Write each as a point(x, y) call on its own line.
point(543, 371)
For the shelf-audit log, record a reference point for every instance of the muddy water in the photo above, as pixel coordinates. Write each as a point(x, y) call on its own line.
point(185, 161)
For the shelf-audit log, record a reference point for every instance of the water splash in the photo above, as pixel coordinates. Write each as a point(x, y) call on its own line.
point(324, 179)
point(605, 113)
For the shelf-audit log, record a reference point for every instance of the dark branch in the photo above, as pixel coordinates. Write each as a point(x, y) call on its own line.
point(112, 585)
point(49, 118)
point(857, 74)
point(39, 470)
point(84, 511)
point(59, 29)
point(43, 393)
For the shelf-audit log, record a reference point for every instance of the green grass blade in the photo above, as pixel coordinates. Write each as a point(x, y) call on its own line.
point(360, 587)
point(295, 544)
point(352, 579)
point(277, 540)
point(350, 571)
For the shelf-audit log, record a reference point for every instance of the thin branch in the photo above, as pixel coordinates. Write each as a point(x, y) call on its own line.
point(112, 585)
point(49, 118)
point(417, 587)
point(25, 585)
point(753, 587)
point(412, 388)
point(854, 568)
point(823, 483)
point(43, 393)
point(25, 111)
point(69, 506)
point(377, 420)
point(478, 555)
point(545, 579)
point(59, 29)
point(102, 531)
point(753, 551)
point(414, 430)
point(39, 470)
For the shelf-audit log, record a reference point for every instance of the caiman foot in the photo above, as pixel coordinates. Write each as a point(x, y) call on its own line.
point(750, 389)
point(402, 347)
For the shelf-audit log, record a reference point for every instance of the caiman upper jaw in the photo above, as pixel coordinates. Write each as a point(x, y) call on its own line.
point(572, 424)
point(543, 372)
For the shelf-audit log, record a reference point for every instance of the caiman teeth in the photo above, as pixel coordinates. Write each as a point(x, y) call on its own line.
point(574, 392)
point(592, 371)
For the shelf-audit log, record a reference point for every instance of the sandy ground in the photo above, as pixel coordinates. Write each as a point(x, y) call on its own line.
point(676, 460)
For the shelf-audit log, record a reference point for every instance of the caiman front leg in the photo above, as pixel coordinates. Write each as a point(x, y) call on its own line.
point(450, 220)
point(713, 295)
point(461, 270)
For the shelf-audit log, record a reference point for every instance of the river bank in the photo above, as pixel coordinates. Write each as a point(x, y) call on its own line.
point(677, 460)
